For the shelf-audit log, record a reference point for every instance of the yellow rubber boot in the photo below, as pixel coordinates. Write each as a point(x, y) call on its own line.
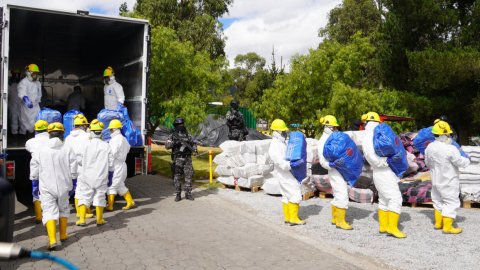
point(448, 228)
point(38, 212)
point(383, 220)
point(52, 234)
point(82, 211)
point(334, 215)
point(100, 220)
point(76, 208)
point(63, 229)
point(286, 213)
point(89, 213)
point(392, 229)
point(341, 220)
point(130, 202)
point(438, 220)
point(111, 200)
point(293, 211)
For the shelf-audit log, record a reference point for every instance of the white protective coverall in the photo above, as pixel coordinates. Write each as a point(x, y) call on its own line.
point(33, 90)
point(120, 148)
point(113, 94)
point(14, 107)
point(289, 186)
point(33, 145)
point(443, 161)
point(77, 141)
point(339, 185)
point(55, 166)
point(75, 101)
point(386, 181)
point(92, 184)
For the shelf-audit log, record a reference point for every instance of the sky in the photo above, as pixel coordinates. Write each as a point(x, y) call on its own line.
point(291, 26)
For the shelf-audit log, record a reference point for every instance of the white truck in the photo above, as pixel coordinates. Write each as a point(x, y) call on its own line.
point(72, 48)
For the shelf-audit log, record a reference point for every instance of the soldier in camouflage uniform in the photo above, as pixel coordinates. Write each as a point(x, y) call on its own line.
point(183, 146)
point(236, 123)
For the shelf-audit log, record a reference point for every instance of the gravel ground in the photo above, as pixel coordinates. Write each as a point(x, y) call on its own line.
point(424, 247)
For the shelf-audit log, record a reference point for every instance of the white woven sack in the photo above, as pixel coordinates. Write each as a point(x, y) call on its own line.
point(248, 147)
point(223, 170)
point(227, 180)
point(253, 181)
point(471, 149)
point(221, 159)
point(268, 168)
point(250, 157)
point(262, 146)
point(236, 161)
point(271, 186)
point(312, 153)
point(247, 171)
point(225, 146)
point(473, 168)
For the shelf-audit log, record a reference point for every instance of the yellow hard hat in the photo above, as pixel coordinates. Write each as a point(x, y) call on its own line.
point(108, 72)
point(32, 68)
point(115, 124)
point(41, 125)
point(329, 120)
point(79, 120)
point(371, 116)
point(278, 125)
point(436, 121)
point(96, 125)
point(441, 128)
point(55, 127)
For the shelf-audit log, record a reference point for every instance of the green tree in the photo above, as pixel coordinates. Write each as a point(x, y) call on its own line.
point(192, 20)
point(246, 66)
point(181, 79)
point(350, 17)
point(123, 9)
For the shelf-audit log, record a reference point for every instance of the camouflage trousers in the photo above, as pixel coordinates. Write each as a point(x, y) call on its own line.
point(236, 135)
point(183, 166)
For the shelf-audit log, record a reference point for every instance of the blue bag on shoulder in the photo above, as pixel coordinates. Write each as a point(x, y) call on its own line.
point(105, 116)
point(68, 121)
point(386, 144)
point(340, 145)
point(425, 137)
point(297, 155)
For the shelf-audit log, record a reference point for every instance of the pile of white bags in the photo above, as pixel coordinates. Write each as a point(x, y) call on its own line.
point(245, 164)
point(470, 176)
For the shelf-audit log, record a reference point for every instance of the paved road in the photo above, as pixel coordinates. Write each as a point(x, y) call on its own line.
point(209, 233)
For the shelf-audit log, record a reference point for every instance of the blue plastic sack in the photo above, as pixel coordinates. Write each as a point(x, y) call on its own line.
point(130, 131)
point(386, 144)
point(49, 115)
point(68, 121)
point(425, 137)
point(105, 116)
point(297, 155)
point(340, 145)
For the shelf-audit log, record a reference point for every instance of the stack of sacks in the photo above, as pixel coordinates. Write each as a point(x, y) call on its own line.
point(417, 192)
point(363, 191)
point(321, 182)
point(407, 140)
point(470, 176)
point(271, 184)
point(245, 164)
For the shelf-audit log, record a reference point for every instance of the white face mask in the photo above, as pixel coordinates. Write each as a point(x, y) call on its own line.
point(329, 129)
point(445, 139)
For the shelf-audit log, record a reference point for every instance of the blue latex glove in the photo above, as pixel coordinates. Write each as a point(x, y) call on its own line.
point(40, 104)
point(119, 107)
point(332, 164)
point(2, 156)
point(35, 189)
point(74, 187)
point(110, 177)
point(339, 162)
point(28, 102)
point(395, 158)
point(364, 159)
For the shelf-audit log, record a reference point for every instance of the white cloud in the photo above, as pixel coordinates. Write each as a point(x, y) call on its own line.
point(289, 25)
point(106, 6)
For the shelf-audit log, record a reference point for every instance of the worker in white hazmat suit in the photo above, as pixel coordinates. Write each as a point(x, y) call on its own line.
point(114, 96)
point(443, 160)
point(30, 91)
point(96, 174)
point(386, 181)
point(55, 166)
point(32, 145)
point(76, 100)
point(339, 185)
point(289, 186)
point(14, 103)
point(120, 148)
point(77, 140)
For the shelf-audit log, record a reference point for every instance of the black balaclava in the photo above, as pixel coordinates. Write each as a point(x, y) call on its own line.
point(56, 134)
point(180, 128)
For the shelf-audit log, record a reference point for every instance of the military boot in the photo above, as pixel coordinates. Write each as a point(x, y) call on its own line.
point(178, 197)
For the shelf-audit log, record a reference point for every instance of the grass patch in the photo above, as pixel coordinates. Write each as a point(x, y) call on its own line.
point(208, 185)
point(160, 160)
